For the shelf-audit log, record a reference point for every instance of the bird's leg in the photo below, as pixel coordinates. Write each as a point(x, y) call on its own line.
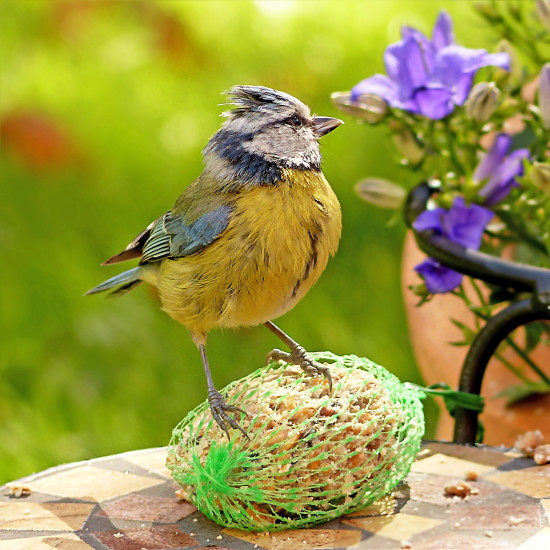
point(298, 355)
point(217, 403)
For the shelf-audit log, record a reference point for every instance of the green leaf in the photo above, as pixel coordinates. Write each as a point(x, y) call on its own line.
point(482, 311)
point(524, 139)
point(518, 224)
point(458, 344)
point(519, 392)
point(467, 332)
point(455, 398)
point(533, 333)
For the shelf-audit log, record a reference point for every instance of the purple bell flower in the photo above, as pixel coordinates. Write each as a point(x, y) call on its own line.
point(500, 169)
point(437, 277)
point(461, 224)
point(428, 77)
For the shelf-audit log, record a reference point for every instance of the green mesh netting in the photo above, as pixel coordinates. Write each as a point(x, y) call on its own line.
point(312, 456)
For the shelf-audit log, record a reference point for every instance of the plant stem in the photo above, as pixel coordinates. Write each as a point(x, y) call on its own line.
point(528, 360)
point(511, 367)
point(449, 135)
point(478, 292)
point(521, 352)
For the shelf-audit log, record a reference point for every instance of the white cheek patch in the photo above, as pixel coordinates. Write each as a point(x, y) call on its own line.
point(243, 125)
point(284, 145)
point(305, 160)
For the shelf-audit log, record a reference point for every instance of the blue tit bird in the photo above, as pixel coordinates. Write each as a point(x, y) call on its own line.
point(250, 236)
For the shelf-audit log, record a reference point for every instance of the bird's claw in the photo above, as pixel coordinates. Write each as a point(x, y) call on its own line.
point(220, 408)
point(278, 355)
point(300, 357)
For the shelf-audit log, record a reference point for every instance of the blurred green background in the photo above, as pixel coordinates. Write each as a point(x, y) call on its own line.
point(105, 108)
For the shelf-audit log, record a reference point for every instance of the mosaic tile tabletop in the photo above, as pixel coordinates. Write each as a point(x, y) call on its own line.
point(128, 502)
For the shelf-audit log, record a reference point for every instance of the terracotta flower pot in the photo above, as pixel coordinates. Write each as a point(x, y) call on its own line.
point(432, 332)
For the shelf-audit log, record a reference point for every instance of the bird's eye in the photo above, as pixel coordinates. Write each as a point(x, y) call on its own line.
point(295, 121)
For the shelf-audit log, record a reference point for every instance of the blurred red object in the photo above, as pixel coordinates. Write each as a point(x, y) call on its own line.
point(37, 140)
point(171, 37)
point(71, 18)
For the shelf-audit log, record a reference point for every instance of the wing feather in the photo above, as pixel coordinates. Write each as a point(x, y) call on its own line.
point(171, 237)
point(134, 249)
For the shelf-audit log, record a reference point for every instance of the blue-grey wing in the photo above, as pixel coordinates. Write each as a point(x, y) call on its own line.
point(171, 237)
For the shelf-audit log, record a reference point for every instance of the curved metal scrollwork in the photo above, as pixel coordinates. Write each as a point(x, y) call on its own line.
point(534, 281)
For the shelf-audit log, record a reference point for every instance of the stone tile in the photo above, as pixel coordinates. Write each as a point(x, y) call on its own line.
point(488, 518)
point(460, 542)
point(533, 481)
point(449, 465)
point(97, 522)
point(90, 483)
point(48, 542)
point(399, 527)
point(159, 537)
point(73, 514)
point(424, 452)
point(540, 541)
point(126, 467)
point(429, 488)
point(519, 463)
point(419, 512)
point(488, 456)
point(513, 453)
point(148, 508)
point(154, 462)
point(167, 489)
point(506, 496)
point(300, 539)
point(34, 516)
point(373, 524)
point(425, 509)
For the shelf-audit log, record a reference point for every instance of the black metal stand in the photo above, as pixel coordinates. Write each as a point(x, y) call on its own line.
point(521, 278)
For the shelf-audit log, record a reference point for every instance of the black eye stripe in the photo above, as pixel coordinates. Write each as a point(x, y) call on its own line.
point(296, 121)
point(288, 121)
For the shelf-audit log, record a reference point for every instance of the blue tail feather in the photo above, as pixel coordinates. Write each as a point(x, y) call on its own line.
point(125, 281)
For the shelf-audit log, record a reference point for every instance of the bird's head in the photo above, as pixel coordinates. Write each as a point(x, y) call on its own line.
point(267, 131)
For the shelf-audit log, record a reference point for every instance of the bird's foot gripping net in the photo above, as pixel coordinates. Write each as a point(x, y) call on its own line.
point(312, 456)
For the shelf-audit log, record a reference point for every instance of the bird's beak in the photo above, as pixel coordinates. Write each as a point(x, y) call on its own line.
point(322, 125)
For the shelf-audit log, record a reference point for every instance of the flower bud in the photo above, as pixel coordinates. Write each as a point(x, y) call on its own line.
point(421, 291)
point(380, 192)
point(482, 101)
point(368, 107)
point(543, 11)
point(445, 200)
point(540, 176)
point(515, 74)
point(408, 146)
point(544, 95)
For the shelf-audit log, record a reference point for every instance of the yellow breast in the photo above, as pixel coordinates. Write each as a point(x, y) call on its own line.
point(274, 249)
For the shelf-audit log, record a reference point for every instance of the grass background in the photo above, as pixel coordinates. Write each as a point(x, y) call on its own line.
point(105, 108)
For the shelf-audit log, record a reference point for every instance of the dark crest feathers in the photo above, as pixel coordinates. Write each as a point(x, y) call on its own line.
point(257, 98)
